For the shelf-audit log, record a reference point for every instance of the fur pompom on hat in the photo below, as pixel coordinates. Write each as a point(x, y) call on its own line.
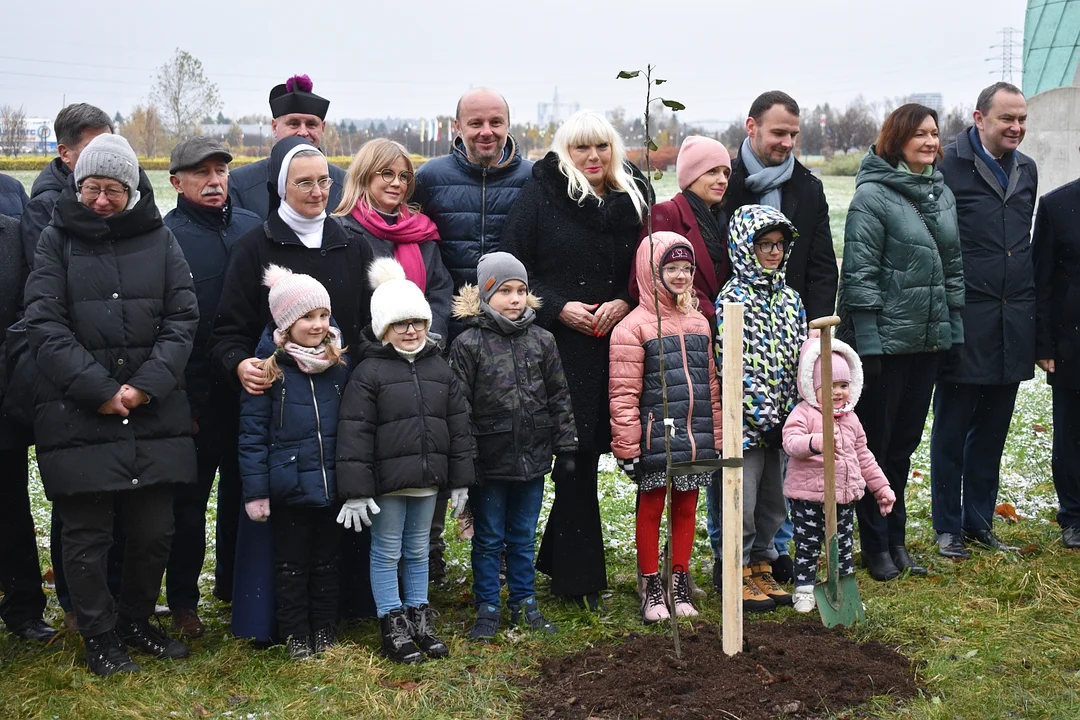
point(697, 156)
point(293, 295)
point(393, 297)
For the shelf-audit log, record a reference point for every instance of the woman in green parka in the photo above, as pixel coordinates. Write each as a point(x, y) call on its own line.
point(901, 292)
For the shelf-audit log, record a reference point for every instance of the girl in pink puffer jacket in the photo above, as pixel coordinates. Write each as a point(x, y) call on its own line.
point(856, 468)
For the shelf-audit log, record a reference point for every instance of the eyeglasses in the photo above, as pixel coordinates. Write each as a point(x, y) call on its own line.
point(768, 247)
point(405, 325)
point(388, 176)
point(306, 186)
point(92, 192)
point(676, 270)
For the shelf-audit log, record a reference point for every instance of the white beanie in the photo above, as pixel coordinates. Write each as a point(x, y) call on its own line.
point(394, 298)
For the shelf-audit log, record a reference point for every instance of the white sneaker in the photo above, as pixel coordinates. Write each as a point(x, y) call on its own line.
point(653, 605)
point(804, 599)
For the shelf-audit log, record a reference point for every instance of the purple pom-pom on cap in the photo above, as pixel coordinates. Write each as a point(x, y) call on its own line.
point(299, 82)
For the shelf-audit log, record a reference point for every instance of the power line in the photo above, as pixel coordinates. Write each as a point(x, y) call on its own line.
point(1008, 48)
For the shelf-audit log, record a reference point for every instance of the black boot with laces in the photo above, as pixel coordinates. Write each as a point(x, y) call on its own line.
point(422, 620)
point(298, 647)
point(322, 640)
point(397, 643)
point(106, 655)
point(142, 635)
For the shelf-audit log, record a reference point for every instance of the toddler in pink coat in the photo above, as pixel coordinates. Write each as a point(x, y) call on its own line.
point(856, 468)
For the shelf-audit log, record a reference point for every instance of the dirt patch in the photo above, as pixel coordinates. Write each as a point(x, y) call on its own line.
point(795, 669)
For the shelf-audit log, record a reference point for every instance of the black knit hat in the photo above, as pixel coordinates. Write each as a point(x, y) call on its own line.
point(295, 96)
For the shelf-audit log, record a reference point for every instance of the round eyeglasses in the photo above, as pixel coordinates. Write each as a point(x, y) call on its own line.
point(388, 176)
point(306, 186)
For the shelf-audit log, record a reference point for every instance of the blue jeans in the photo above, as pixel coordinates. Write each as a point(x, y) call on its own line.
point(401, 529)
point(505, 514)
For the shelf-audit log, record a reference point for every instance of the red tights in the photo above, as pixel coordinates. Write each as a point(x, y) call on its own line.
point(650, 510)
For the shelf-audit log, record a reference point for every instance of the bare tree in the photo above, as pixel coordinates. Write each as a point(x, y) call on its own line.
point(184, 94)
point(954, 123)
point(12, 129)
point(145, 131)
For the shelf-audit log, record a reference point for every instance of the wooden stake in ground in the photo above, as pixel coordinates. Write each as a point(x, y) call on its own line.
point(732, 551)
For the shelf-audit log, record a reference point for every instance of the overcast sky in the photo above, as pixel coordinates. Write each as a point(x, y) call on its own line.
point(413, 59)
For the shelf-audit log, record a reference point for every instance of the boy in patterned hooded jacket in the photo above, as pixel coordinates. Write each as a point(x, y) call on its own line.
point(759, 243)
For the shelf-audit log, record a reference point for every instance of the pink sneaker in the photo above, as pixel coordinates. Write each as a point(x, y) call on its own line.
point(653, 606)
point(681, 595)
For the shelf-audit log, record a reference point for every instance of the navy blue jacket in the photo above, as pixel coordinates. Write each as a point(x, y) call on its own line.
point(247, 187)
point(46, 190)
point(288, 435)
point(1056, 247)
point(13, 197)
point(469, 204)
point(999, 272)
point(206, 237)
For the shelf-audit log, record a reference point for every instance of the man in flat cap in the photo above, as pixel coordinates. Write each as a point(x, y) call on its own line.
point(206, 224)
point(296, 111)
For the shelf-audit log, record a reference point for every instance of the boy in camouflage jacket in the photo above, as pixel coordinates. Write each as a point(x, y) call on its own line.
point(519, 408)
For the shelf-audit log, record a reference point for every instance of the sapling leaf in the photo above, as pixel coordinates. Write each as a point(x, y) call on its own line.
point(651, 145)
point(674, 105)
point(658, 81)
point(627, 74)
point(658, 175)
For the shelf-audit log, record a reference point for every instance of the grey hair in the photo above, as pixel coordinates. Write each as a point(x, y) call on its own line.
point(986, 97)
point(74, 119)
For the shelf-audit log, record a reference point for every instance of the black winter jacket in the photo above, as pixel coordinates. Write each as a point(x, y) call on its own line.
point(516, 392)
point(13, 197)
point(580, 253)
point(1056, 250)
point(288, 435)
point(341, 265)
point(248, 187)
point(999, 273)
point(206, 236)
point(811, 265)
point(469, 204)
point(13, 272)
point(110, 302)
point(402, 425)
point(44, 193)
point(440, 286)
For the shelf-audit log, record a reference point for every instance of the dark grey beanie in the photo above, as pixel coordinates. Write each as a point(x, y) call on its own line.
point(109, 156)
point(496, 268)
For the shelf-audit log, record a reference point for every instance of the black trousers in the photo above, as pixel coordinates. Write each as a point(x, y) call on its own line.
point(189, 539)
point(146, 516)
point(229, 507)
point(20, 570)
point(572, 549)
point(971, 423)
point(305, 568)
point(893, 410)
point(56, 552)
point(1066, 455)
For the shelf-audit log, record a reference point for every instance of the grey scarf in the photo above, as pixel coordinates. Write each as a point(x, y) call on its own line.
point(764, 181)
point(505, 324)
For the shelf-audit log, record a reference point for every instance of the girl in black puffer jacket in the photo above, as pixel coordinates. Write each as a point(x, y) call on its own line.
point(286, 455)
point(404, 435)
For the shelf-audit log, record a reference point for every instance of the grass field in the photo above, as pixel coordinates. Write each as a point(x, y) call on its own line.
point(994, 638)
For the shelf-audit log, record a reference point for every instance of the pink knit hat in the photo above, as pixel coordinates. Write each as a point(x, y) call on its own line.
point(840, 370)
point(293, 295)
point(696, 156)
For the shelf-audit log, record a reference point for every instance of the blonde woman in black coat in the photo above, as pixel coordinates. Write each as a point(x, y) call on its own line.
point(575, 226)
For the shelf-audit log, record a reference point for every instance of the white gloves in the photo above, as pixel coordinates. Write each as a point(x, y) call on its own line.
point(458, 498)
point(355, 511)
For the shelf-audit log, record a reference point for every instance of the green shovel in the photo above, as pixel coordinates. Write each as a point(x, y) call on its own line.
point(837, 598)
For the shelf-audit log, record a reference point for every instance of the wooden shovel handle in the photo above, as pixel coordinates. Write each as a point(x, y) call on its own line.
point(828, 449)
point(824, 322)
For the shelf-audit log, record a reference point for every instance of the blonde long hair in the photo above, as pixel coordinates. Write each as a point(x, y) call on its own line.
point(374, 156)
point(335, 354)
point(590, 128)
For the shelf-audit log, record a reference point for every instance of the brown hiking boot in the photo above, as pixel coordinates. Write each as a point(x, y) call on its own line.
point(753, 600)
point(761, 575)
point(186, 623)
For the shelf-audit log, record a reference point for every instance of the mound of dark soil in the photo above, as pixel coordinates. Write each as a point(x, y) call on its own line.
point(795, 669)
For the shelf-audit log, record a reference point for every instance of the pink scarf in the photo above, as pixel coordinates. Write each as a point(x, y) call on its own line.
point(406, 234)
point(311, 361)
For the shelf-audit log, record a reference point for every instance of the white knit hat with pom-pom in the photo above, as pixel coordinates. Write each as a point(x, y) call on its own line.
point(293, 295)
point(394, 298)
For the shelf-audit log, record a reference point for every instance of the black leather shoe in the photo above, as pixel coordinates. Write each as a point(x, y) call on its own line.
point(783, 569)
point(881, 566)
point(904, 562)
point(989, 540)
point(34, 630)
point(1070, 537)
point(951, 545)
